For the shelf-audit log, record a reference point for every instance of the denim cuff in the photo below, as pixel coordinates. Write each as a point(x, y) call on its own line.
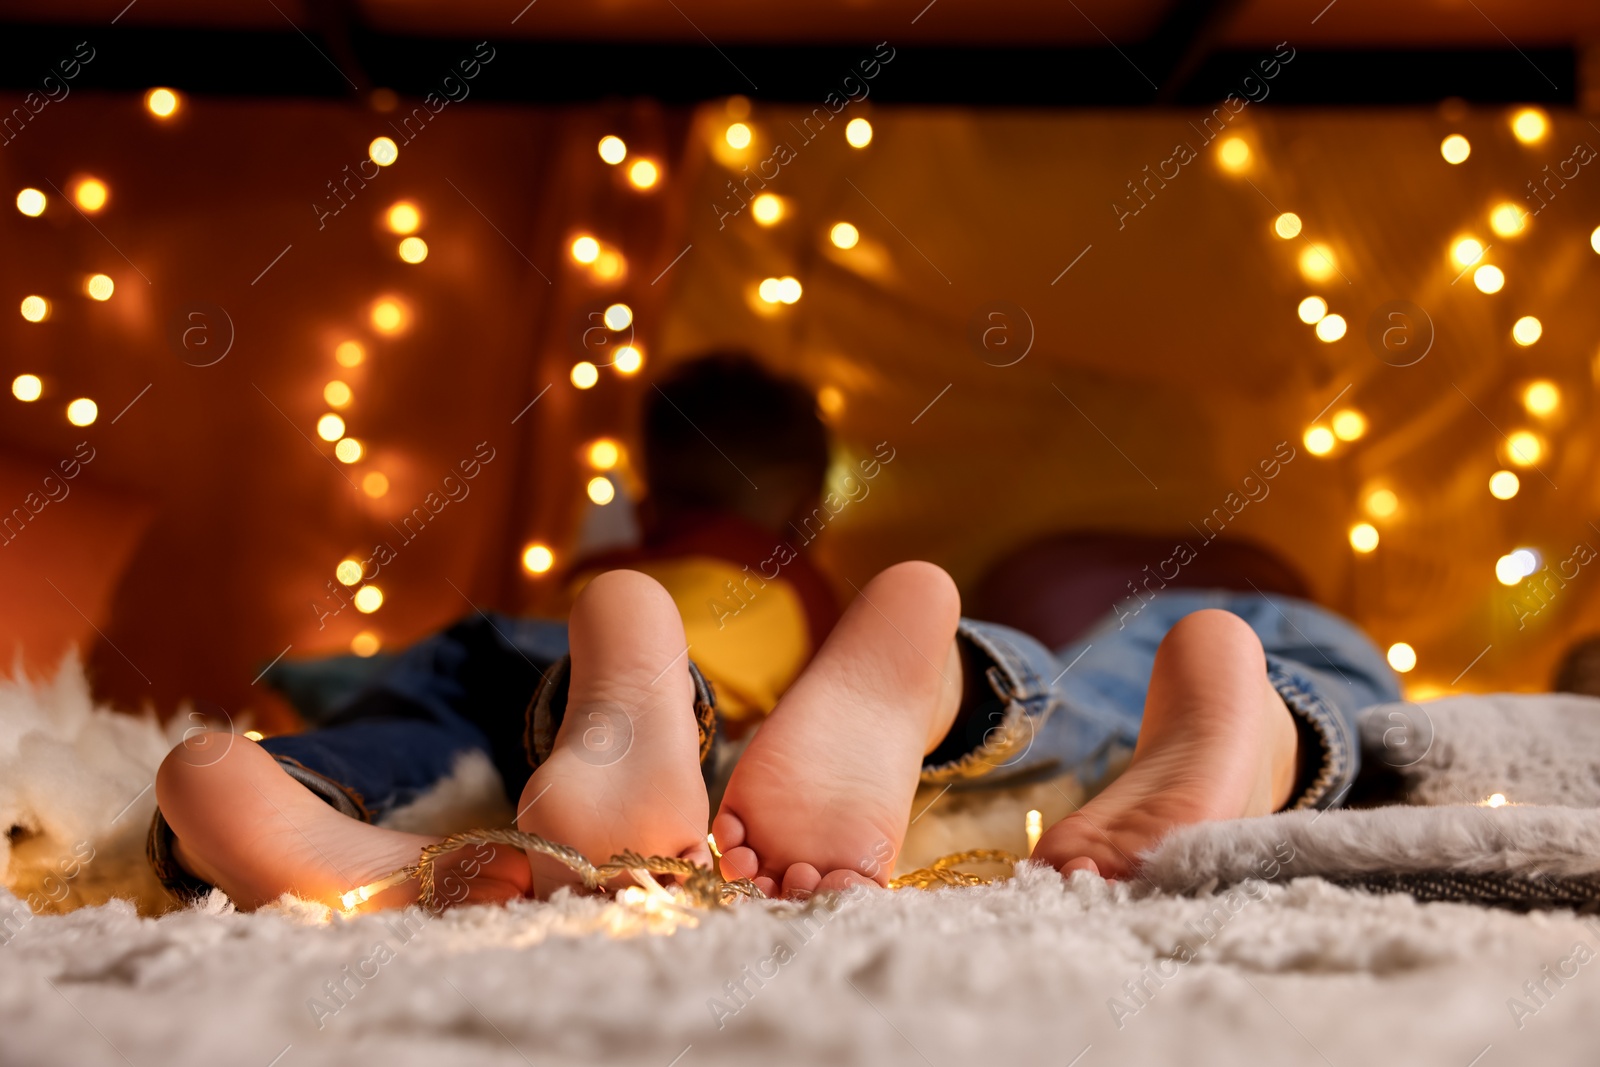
point(1004, 704)
point(1327, 747)
point(548, 708)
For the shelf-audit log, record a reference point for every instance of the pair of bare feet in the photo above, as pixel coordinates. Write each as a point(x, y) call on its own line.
point(821, 798)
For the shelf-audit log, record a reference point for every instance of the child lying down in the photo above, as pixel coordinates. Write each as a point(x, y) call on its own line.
point(1235, 706)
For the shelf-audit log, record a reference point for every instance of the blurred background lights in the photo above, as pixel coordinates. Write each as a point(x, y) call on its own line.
point(1496, 800)
point(35, 308)
point(1508, 220)
point(600, 490)
point(1349, 424)
point(383, 151)
point(330, 427)
point(1530, 125)
point(375, 484)
point(1382, 503)
point(737, 135)
point(413, 249)
point(585, 249)
point(1330, 328)
point(1316, 263)
point(767, 290)
point(766, 209)
point(788, 289)
point(100, 286)
point(388, 316)
point(83, 412)
point(1311, 310)
point(613, 149)
point(1528, 560)
point(349, 353)
point(537, 558)
point(643, 174)
point(349, 450)
point(403, 217)
point(31, 203)
point(830, 399)
point(1402, 657)
point(1489, 278)
point(1234, 154)
point(348, 572)
point(628, 359)
point(162, 103)
point(337, 394)
point(609, 265)
point(1541, 398)
point(1319, 440)
point(604, 454)
point(365, 644)
point(1594, 238)
point(369, 598)
point(585, 374)
point(1455, 148)
point(1503, 485)
point(90, 194)
point(1466, 251)
point(1526, 330)
point(1363, 537)
point(844, 235)
point(1524, 448)
point(27, 387)
point(618, 317)
point(1287, 225)
point(858, 133)
point(1508, 571)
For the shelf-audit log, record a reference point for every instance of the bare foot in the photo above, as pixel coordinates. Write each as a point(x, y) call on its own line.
point(1217, 742)
point(625, 769)
point(821, 798)
point(246, 827)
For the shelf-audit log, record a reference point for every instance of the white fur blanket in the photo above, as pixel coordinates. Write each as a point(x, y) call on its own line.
point(1039, 970)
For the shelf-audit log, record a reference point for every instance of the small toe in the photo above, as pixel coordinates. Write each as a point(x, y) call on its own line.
point(1082, 863)
point(767, 886)
point(801, 880)
point(728, 829)
point(739, 863)
point(843, 880)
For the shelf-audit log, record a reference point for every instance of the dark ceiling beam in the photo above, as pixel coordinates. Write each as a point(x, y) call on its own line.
point(1186, 38)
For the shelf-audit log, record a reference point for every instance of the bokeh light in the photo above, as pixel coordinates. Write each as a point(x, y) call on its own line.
point(1503, 485)
point(31, 203)
point(99, 286)
point(1508, 220)
point(618, 317)
point(1382, 503)
point(1234, 154)
point(585, 249)
point(537, 558)
point(413, 249)
point(383, 151)
point(1317, 263)
point(585, 374)
point(1530, 125)
point(35, 308)
point(348, 572)
point(403, 217)
point(609, 265)
point(858, 133)
point(375, 484)
point(90, 194)
point(1330, 328)
point(1349, 425)
point(1402, 657)
point(1526, 330)
point(162, 103)
point(349, 450)
point(1541, 398)
point(83, 412)
point(1524, 448)
point(613, 149)
point(365, 644)
point(388, 316)
point(1508, 570)
point(369, 598)
point(1466, 251)
point(1489, 278)
point(788, 289)
point(830, 398)
point(1363, 537)
point(604, 454)
point(737, 135)
point(27, 387)
point(766, 209)
point(643, 174)
point(844, 235)
point(768, 290)
point(1287, 225)
point(628, 359)
point(349, 353)
point(1594, 240)
point(337, 394)
point(1311, 310)
point(1319, 440)
point(600, 490)
point(330, 427)
point(1455, 148)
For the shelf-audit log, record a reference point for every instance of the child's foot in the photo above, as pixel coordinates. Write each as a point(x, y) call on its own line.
point(821, 798)
point(249, 829)
point(625, 770)
point(1217, 742)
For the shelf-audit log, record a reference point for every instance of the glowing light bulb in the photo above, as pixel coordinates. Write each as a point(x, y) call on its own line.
point(858, 133)
point(643, 174)
point(35, 308)
point(403, 217)
point(330, 427)
point(162, 103)
point(83, 412)
point(1466, 251)
point(1382, 503)
point(1530, 125)
point(337, 394)
point(585, 374)
point(1526, 330)
point(1503, 485)
point(375, 484)
point(537, 558)
point(1287, 225)
point(1318, 440)
point(1330, 328)
point(90, 194)
point(1508, 570)
point(349, 450)
point(31, 203)
point(1455, 148)
point(1524, 448)
point(27, 387)
point(388, 316)
point(1316, 263)
point(618, 317)
point(600, 490)
point(1528, 560)
point(349, 353)
point(1363, 537)
point(767, 209)
point(737, 135)
point(369, 598)
point(613, 149)
point(100, 286)
point(413, 249)
point(628, 359)
point(585, 249)
point(1489, 278)
point(348, 572)
point(383, 151)
point(1402, 657)
point(604, 454)
point(1508, 220)
point(364, 644)
point(844, 235)
point(768, 290)
point(788, 289)
point(1541, 398)
point(1311, 310)
point(1349, 424)
point(1234, 154)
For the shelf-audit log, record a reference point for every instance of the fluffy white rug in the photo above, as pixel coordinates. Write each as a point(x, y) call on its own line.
point(1037, 971)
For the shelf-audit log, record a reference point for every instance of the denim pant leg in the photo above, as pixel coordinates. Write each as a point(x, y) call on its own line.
point(1042, 713)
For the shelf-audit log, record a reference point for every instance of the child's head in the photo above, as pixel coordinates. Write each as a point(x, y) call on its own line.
point(722, 434)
